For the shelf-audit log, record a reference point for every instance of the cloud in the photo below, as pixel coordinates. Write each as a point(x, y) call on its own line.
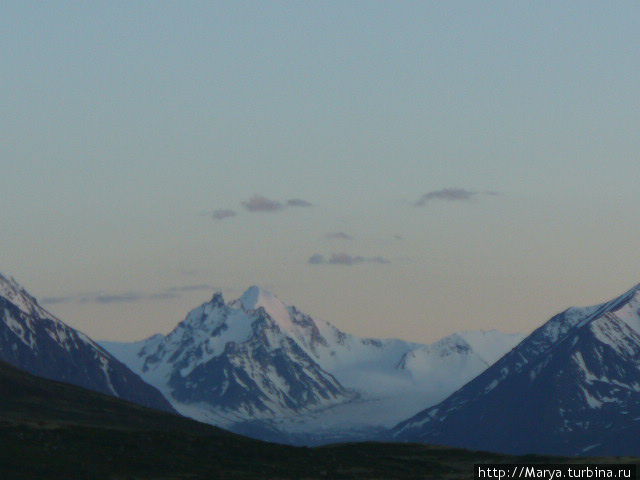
point(298, 202)
point(222, 214)
point(126, 297)
point(258, 203)
point(190, 288)
point(449, 195)
point(316, 259)
point(57, 300)
point(344, 259)
point(192, 272)
point(339, 236)
point(106, 298)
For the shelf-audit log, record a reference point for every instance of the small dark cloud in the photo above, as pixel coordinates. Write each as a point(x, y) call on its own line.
point(446, 194)
point(377, 259)
point(398, 237)
point(344, 259)
point(222, 214)
point(298, 202)
point(316, 259)
point(339, 236)
point(258, 203)
point(451, 195)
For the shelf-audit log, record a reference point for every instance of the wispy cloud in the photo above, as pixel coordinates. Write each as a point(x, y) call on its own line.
point(57, 300)
point(192, 272)
point(108, 298)
point(126, 297)
point(190, 288)
point(221, 214)
point(344, 259)
point(338, 236)
point(298, 202)
point(316, 259)
point(449, 195)
point(258, 203)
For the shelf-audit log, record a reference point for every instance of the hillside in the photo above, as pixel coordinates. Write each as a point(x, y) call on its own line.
point(57, 431)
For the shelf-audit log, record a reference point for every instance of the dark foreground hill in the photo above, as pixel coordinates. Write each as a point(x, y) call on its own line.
point(52, 430)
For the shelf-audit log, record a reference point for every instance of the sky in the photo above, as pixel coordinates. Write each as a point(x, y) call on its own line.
point(399, 169)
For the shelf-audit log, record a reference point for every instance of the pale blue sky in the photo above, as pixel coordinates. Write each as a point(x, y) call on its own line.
point(123, 122)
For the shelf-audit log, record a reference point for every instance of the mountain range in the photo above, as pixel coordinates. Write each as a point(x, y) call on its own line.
point(258, 366)
point(253, 365)
point(571, 387)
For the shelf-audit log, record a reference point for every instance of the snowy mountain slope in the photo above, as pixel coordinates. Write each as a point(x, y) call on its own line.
point(565, 389)
point(491, 345)
point(425, 374)
point(256, 358)
point(34, 340)
point(230, 362)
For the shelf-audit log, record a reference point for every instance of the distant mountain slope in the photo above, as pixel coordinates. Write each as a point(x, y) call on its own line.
point(58, 431)
point(256, 358)
point(491, 345)
point(571, 387)
point(36, 341)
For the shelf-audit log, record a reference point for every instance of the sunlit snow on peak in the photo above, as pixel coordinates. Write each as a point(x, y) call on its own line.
point(256, 297)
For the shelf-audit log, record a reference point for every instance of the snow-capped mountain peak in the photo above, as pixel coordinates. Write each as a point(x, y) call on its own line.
point(217, 300)
point(255, 297)
point(16, 294)
point(235, 360)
